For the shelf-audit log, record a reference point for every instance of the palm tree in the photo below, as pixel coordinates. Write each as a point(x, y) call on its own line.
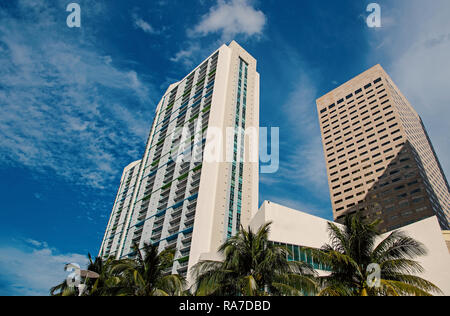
point(98, 266)
point(108, 283)
point(145, 275)
point(354, 247)
point(253, 266)
point(63, 289)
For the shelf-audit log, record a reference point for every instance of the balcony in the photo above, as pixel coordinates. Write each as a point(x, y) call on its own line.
point(162, 207)
point(181, 118)
point(175, 220)
point(177, 212)
point(156, 236)
point(172, 242)
point(165, 193)
point(169, 175)
point(164, 199)
point(199, 170)
point(196, 176)
point(170, 247)
point(174, 230)
point(194, 113)
point(158, 227)
point(147, 192)
point(159, 221)
point(192, 205)
point(145, 201)
point(154, 169)
point(185, 250)
point(187, 239)
point(158, 152)
point(179, 197)
point(136, 240)
point(181, 189)
point(189, 222)
point(151, 175)
point(190, 214)
point(183, 265)
point(171, 168)
point(184, 170)
point(159, 148)
point(195, 184)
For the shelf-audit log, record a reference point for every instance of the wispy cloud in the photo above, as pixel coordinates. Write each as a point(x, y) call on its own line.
point(302, 165)
point(33, 269)
point(231, 18)
point(416, 48)
point(65, 107)
point(143, 25)
point(302, 159)
point(225, 21)
point(187, 55)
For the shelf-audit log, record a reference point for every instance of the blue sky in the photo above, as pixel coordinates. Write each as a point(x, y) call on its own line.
point(77, 104)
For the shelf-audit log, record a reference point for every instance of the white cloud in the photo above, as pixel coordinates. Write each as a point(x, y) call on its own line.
point(231, 18)
point(227, 19)
point(37, 243)
point(188, 55)
point(33, 271)
point(417, 48)
point(65, 107)
point(143, 25)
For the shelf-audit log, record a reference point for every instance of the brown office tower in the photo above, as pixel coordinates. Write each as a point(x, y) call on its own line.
point(380, 160)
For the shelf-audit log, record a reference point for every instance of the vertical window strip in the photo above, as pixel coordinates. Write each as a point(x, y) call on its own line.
point(238, 172)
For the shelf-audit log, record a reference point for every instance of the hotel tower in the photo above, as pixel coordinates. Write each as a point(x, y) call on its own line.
point(379, 158)
point(197, 181)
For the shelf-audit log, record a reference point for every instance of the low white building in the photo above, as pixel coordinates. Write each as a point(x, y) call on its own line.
point(295, 228)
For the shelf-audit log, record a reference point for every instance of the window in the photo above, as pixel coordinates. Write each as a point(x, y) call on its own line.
point(417, 200)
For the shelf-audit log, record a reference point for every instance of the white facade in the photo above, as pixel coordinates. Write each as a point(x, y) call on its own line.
point(121, 209)
point(297, 228)
point(196, 185)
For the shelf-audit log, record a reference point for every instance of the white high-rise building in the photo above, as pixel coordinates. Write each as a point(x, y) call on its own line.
point(195, 184)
